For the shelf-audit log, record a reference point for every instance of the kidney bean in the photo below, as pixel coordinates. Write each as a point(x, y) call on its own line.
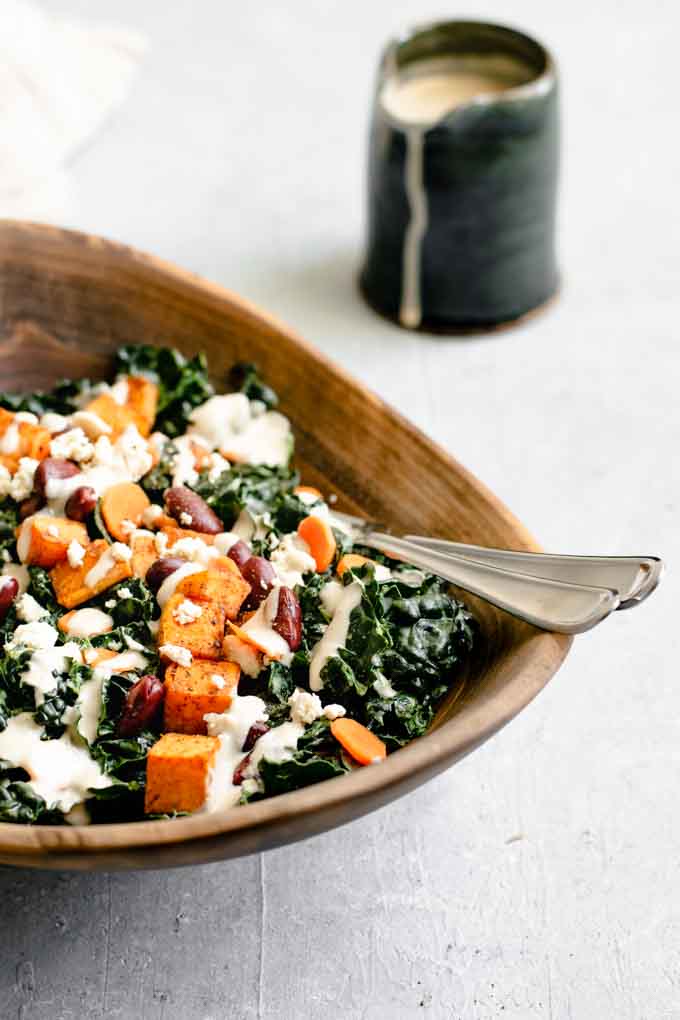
point(142, 704)
point(238, 776)
point(9, 589)
point(81, 503)
point(288, 619)
point(257, 730)
point(30, 506)
point(260, 575)
point(182, 504)
point(161, 569)
point(52, 467)
point(239, 553)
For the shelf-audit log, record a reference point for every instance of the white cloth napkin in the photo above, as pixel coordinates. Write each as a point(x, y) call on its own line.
point(58, 82)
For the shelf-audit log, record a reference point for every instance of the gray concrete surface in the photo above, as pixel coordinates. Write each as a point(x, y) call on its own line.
point(539, 878)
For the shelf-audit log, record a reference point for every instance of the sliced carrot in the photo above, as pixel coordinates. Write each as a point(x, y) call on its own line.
point(350, 561)
point(121, 503)
point(319, 536)
point(307, 490)
point(358, 741)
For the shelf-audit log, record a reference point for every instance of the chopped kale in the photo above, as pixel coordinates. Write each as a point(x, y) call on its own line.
point(20, 803)
point(245, 378)
point(257, 488)
point(183, 383)
point(63, 399)
point(9, 521)
point(160, 477)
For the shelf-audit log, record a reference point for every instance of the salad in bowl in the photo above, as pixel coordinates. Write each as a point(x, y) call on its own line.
point(185, 625)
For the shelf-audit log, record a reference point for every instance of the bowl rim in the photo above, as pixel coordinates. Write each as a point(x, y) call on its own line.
point(540, 656)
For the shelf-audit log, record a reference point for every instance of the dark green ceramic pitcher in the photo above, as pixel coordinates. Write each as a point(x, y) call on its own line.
point(461, 201)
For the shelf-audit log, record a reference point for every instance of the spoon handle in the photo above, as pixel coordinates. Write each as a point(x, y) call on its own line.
point(634, 577)
point(544, 602)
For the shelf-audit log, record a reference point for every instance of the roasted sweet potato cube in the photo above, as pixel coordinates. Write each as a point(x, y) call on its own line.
point(43, 540)
point(144, 553)
point(202, 636)
point(142, 400)
point(177, 771)
point(27, 440)
point(118, 416)
point(226, 589)
point(192, 691)
point(74, 585)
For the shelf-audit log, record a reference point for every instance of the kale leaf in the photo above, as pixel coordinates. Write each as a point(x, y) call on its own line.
point(257, 488)
point(9, 521)
point(65, 694)
point(63, 399)
point(19, 802)
point(183, 383)
point(245, 378)
point(317, 757)
point(15, 696)
point(160, 477)
point(123, 759)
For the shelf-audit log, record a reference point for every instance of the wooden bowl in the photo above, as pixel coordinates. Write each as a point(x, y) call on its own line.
point(67, 301)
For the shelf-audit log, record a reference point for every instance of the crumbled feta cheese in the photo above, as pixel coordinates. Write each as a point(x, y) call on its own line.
point(151, 515)
point(75, 553)
point(27, 417)
point(121, 553)
point(187, 612)
point(127, 527)
point(103, 452)
point(55, 422)
point(161, 543)
point(52, 530)
point(217, 465)
point(21, 485)
point(291, 559)
point(334, 712)
point(29, 609)
point(6, 556)
point(175, 653)
point(72, 445)
point(194, 549)
point(184, 462)
point(217, 680)
point(124, 593)
point(135, 453)
point(185, 518)
point(305, 708)
point(110, 604)
point(34, 635)
point(5, 481)
point(383, 687)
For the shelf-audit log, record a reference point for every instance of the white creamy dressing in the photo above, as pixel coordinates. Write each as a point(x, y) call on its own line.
point(169, 585)
point(243, 654)
point(89, 706)
point(46, 659)
point(260, 631)
point(233, 425)
point(61, 771)
point(247, 527)
point(231, 727)
point(340, 601)
point(279, 744)
point(418, 98)
point(85, 623)
point(101, 569)
point(224, 541)
point(291, 559)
